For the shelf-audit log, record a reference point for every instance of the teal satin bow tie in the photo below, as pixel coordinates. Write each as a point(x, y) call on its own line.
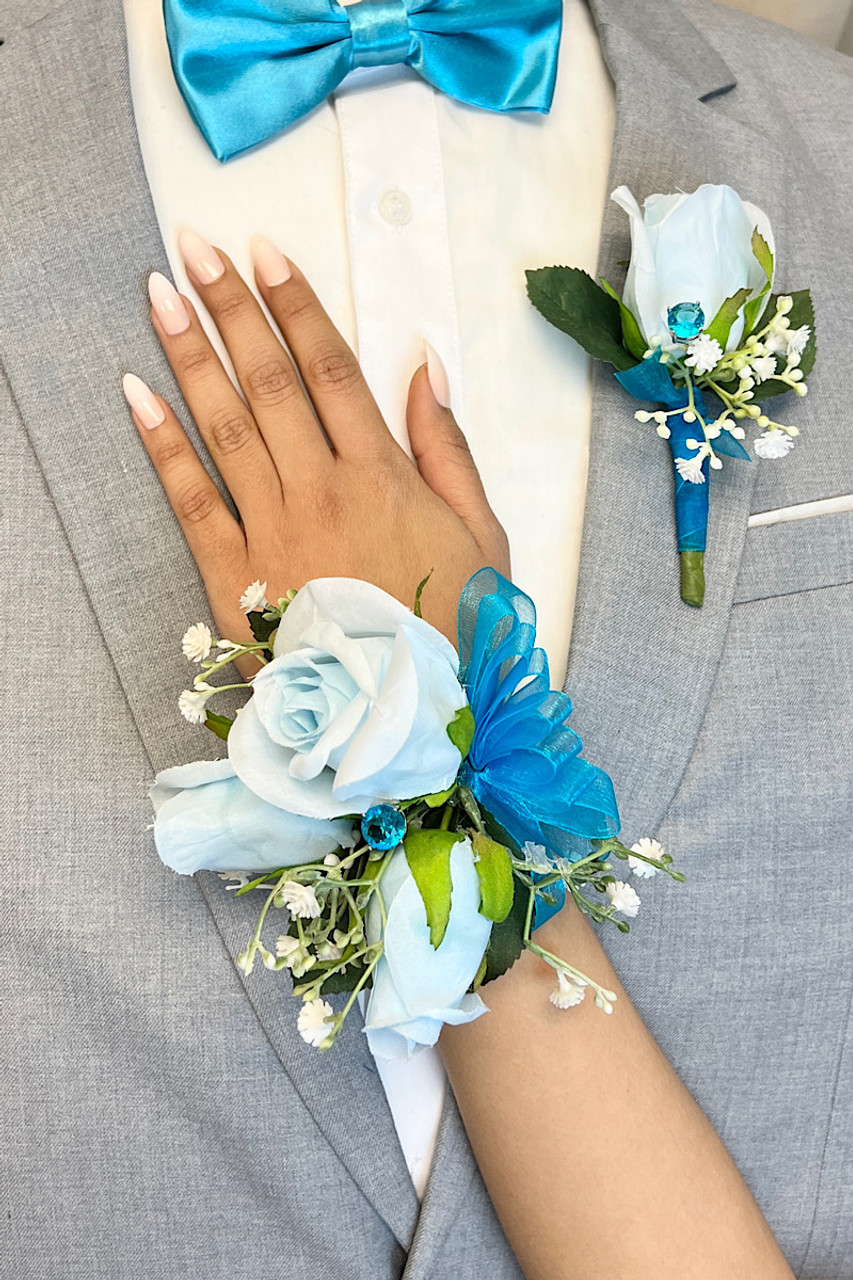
point(248, 70)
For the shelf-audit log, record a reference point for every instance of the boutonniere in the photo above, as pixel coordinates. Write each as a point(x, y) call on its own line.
point(698, 333)
point(412, 813)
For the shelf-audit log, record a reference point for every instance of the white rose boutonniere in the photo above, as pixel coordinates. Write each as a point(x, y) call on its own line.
point(698, 334)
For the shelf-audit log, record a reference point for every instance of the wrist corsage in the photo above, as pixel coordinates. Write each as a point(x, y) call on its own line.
point(699, 334)
point(416, 812)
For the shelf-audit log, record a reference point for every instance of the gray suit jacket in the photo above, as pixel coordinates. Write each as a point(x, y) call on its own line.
point(161, 1120)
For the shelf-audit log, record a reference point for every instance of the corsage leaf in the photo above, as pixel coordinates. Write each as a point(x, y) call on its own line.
point(220, 725)
point(763, 255)
point(460, 731)
point(428, 855)
point(494, 867)
point(507, 938)
point(720, 327)
point(421, 585)
point(631, 335)
point(262, 628)
point(570, 299)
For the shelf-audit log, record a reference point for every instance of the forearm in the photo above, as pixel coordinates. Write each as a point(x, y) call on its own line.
point(598, 1161)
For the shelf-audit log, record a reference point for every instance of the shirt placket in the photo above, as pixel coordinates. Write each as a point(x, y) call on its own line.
point(398, 235)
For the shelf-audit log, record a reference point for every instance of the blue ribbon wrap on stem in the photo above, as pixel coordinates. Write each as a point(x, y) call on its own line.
point(525, 766)
point(651, 381)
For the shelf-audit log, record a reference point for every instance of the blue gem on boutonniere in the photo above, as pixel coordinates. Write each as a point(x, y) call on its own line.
point(383, 827)
point(686, 321)
point(707, 367)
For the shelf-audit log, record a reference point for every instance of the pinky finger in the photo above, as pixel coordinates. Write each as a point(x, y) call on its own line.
point(213, 535)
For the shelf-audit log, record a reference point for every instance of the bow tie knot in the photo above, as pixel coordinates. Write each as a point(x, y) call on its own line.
point(249, 68)
point(380, 32)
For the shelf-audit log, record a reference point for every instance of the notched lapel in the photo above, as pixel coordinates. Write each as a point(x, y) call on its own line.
point(81, 237)
point(643, 664)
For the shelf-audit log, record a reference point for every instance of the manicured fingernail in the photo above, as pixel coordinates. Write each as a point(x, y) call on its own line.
point(168, 304)
point(270, 263)
point(203, 262)
point(142, 401)
point(437, 374)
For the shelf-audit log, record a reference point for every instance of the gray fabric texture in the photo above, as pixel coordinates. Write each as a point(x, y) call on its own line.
point(161, 1117)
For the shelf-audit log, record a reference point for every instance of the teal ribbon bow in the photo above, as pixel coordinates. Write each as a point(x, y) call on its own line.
point(247, 70)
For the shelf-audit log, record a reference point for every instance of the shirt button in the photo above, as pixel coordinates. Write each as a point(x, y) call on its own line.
point(395, 207)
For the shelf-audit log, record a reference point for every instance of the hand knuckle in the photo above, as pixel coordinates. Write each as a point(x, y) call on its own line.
point(271, 381)
point(194, 360)
point(230, 306)
point(295, 305)
point(168, 453)
point(334, 369)
point(196, 503)
point(231, 431)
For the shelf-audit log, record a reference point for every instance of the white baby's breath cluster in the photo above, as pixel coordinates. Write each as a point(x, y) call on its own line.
point(735, 378)
point(198, 644)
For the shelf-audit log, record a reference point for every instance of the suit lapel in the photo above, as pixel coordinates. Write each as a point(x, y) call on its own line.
point(81, 238)
point(642, 663)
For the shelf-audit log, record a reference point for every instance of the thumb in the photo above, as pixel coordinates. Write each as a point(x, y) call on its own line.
point(444, 459)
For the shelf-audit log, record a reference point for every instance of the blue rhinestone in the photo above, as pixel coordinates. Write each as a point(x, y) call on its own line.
point(383, 827)
point(686, 321)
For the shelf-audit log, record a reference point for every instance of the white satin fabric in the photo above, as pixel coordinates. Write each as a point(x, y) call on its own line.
point(414, 217)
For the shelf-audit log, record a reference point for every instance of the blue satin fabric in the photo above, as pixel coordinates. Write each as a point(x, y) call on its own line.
point(651, 381)
point(249, 69)
point(525, 766)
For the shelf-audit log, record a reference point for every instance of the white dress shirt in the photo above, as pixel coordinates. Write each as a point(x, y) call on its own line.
point(414, 217)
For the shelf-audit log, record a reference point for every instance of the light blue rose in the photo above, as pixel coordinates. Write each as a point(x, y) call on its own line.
point(416, 987)
point(691, 248)
point(353, 710)
point(205, 818)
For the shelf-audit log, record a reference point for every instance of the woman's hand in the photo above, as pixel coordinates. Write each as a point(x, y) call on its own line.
point(321, 487)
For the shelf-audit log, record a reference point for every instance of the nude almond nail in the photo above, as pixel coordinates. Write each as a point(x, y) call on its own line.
point(437, 375)
point(142, 401)
point(203, 262)
point(270, 263)
point(168, 304)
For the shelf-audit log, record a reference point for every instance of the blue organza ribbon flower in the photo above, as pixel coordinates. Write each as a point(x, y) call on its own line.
point(525, 766)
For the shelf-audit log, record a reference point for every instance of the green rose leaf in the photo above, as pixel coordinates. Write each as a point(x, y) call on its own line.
point(801, 313)
point(570, 299)
point(720, 327)
point(428, 855)
point(262, 628)
point(764, 257)
point(460, 731)
point(421, 585)
point(494, 867)
point(507, 938)
point(220, 725)
point(438, 798)
point(763, 254)
point(631, 335)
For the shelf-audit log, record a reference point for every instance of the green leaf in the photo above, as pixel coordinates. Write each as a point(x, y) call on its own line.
point(494, 867)
point(507, 938)
point(419, 593)
point(720, 326)
point(460, 731)
point(763, 254)
point(263, 629)
point(571, 300)
point(764, 257)
point(428, 856)
point(220, 725)
point(802, 312)
point(631, 335)
point(438, 798)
